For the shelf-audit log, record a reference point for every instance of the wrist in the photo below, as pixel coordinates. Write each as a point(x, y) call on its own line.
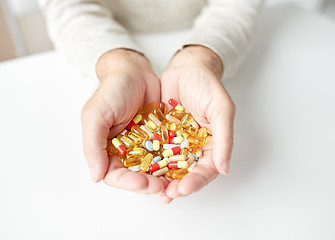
point(120, 60)
point(204, 56)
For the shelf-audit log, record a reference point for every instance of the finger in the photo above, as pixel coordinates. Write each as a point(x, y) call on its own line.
point(164, 198)
point(120, 177)
point(200, 176)
point(223, 133)
point(95, 132)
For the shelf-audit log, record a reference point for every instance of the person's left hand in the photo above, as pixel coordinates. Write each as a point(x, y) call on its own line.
point(193, 79)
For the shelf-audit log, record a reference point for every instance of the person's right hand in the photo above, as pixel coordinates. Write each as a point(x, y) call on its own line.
point(127, 83)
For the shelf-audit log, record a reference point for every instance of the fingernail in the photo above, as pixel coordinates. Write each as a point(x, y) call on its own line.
point(94, 175)
point(225, 168)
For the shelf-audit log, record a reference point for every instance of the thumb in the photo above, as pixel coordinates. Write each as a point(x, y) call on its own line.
point(223, 133)
point(95, 128)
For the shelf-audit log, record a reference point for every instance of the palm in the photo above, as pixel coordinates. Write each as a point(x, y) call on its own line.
point(204, 97)
point(123, 105)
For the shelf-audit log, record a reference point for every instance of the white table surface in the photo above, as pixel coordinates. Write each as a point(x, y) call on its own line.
point(282, 180)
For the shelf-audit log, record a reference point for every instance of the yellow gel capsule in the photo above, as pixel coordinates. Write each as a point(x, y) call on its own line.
point(179, 174)
point(134, 138)
point(177, 114)
point(187, 120)
point(127, 142)
point(146, 161)
point(202, 132)
point(162, 107)
point(184, 152)
point(164, 134)
point(131, 161)
point(171, 126)
point(158, 113)
point(150, 125)
point(170, 172)
point(148, 108)
point(196, 141)
point(172, 119)
point(136, 152)
point(154, 119)
point(139, 132)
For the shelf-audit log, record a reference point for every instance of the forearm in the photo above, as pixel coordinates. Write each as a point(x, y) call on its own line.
point(84, 30)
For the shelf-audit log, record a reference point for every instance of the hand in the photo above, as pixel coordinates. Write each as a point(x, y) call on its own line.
point(127, 82)
point(193, 79)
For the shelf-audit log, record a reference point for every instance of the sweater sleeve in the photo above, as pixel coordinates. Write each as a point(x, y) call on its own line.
point(226, 27)
point(83, 30)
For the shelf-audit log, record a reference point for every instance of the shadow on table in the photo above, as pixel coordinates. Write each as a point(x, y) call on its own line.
point(251, 143)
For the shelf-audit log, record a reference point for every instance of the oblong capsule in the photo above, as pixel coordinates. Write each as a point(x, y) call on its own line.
point(171, 126)
point(146, 162)
point(176, 140)
point(134, 138)
point(135, 121)
point(137, 151)
point(173, 119)
point(118, 145)
point(178, 164)
point(177, 158)
point(160, 172)
point(138, 131)
point(150, 125)
point(127, 142)
point(134, 168)
point(184, 151)
point(176, 105)
point(192, 165)
point(144, 128)
point(187, 120)
point(179, 174)
point(162, 107)
point(168, 146)
point(164, 134)
point(185, 144)
point(170, 172)
point(156, 159)
point(131, 161)
point(158, 165)
point(156, 142)
point(148, 145)
point(148, 108)
point(159, 114)
point(171, 151)
point(155, 120)
point(176, 113)
point(190, 159)
point(202, 132)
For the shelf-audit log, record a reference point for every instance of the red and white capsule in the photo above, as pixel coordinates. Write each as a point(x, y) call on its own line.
point(135, 121)
point(156, 142)
point(158, 165)
point(118, 145)
point(172, 151)
point(178, 164)
point(176, 105)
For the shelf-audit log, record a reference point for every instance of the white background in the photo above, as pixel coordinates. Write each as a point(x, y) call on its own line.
point(281, 184)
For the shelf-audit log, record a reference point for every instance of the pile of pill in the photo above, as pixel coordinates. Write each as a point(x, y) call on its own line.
point(161, 143)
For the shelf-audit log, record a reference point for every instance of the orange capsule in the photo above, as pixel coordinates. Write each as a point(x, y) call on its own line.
point(170, 172)
point(202, 132)
point(173, 119)
point(179, 174)
point(118, 145)
point(156, 142)
point(164, 134)
point(127, 142)
point(187, 120)
point(158, 165)
point(162, 107)
point(158, 113)
point(135, 121)
point(132, 161)
point(178, 164)
point(176, 105)
point(139, 132)
point(172, 151)
point(148, 108)
point(177, 114)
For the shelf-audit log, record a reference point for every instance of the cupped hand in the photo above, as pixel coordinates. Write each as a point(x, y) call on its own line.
point(193, 79)
point(127, 82)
